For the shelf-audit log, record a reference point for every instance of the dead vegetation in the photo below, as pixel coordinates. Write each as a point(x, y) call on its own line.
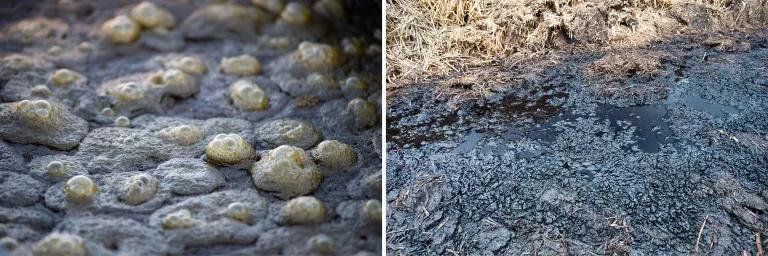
point(427, 37)
point(628, 64)
point(306, 101)
point(417, 196)
point(629, 74)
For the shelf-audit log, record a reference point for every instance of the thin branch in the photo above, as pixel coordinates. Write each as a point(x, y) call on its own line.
point(698, 237)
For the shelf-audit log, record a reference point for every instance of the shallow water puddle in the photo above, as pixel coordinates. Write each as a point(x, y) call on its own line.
point(416, 136)
point(650, 129)
point(512, 107)
point(698, 103)
point(470, 142)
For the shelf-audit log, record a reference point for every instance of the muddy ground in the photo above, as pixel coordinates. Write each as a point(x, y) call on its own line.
point(653, 151)
point(64, 34)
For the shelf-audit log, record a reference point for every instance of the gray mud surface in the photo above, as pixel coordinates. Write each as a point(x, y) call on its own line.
point(32, 205)
point(543, 157)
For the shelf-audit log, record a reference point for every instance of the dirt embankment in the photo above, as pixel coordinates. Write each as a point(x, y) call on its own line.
point(435, 37)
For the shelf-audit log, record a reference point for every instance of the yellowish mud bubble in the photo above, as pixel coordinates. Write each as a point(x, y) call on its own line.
point(303, 210)
point(80, 189)
point(228, 149)
point(60, 244)
point(179, 220)
point(150, 15)
point(121, 29)
point(243, 65)
point(248, 96)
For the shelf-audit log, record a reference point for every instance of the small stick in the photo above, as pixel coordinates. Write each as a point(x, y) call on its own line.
point(400, 231)
point(759, 244)
point(701, 231)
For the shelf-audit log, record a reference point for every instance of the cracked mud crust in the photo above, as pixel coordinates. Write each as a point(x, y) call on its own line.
point(615, 152)
point(132, 127)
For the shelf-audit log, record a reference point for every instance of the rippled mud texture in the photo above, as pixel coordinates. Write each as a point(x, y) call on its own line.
point(135, 128)
point(657, 151)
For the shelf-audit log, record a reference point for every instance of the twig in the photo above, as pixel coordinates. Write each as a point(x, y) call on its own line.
point(759, 244)
point(698, 237)
point(400, 231)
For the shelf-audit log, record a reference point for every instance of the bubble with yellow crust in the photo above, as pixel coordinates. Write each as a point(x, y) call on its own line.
point(288, 171)
point(80, 188)
point(334, 154)
point(238, 211)
point(127, 92)
point(122, 121)
point(243, 65)
point(296, 13)
point(40, 90)
point(188, 64)
point(322, 244)
point(274, 6)
point(179, 220)
point(372, 211)
point(60, 244)
point(353, 46)
point(364, 114)
point(182, 134)
point(331, 9)
point(18, 62)
point(37, 113)
point(292, 132)
point(64, 77)
point(138, 189)
point(57, 169)
point(228, 149)
point(248, 96)
point(323, 81)
point(317, 56)
point(354, 86)
point(150, 15)
point(121, 29)
point(303, 210)
point(179, 83)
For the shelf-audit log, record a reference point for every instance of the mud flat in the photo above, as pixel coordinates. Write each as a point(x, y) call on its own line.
point(653, 151)
point(187, 127)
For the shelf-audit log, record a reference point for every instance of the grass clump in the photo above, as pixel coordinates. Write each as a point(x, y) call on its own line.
point(427, 37)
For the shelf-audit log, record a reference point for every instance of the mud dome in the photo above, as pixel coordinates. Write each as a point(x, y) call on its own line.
point(109, 156)
point(586, 153)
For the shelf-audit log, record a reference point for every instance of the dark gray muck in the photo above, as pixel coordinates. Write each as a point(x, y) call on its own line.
point(559, 161)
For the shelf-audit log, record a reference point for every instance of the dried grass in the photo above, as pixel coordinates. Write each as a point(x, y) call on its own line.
point(631, 63)
point(427, 37)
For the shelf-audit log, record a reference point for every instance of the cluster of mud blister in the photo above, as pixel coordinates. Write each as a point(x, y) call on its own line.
point(202, 128)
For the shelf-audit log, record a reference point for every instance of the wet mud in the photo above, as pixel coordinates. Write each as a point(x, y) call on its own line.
point(554, 159)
